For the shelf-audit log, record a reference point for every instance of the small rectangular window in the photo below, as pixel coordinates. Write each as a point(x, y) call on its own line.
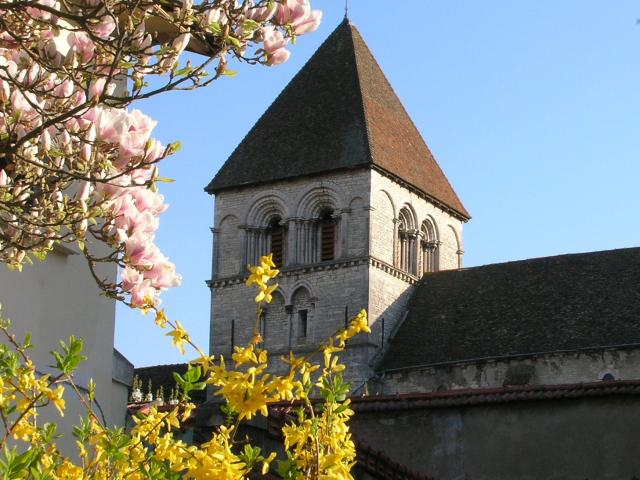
point(302, 323)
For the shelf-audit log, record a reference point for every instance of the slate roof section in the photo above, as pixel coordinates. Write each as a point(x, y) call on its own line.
point(338, 113)
point(563, 303)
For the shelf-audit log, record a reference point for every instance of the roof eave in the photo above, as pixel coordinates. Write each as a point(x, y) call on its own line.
point(463, 216)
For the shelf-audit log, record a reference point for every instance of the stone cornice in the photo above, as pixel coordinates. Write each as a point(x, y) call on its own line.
point(391, 270)
point(291, 270)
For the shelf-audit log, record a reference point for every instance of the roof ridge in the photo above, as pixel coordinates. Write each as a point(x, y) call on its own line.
point(366, 131)
point(163, 365)
point(416, 129)
point(528, 260)
point(317, 124)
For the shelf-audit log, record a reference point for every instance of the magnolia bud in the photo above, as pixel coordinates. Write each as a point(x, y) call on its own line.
point(45, 141)
point(85, 190)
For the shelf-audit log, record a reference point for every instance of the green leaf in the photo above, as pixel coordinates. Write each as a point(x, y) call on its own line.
point(250, 25)
point(215, 28)
point(92, 389)
point(175, 147)
point(178, 378)
point(234, 41)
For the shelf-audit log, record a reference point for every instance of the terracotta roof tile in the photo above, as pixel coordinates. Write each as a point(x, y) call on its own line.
point(339, 112)
point(479, 396)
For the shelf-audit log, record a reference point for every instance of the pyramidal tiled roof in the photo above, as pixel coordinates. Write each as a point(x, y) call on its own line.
point(339, 112)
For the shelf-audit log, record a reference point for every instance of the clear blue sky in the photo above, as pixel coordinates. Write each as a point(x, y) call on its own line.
point(531, 108)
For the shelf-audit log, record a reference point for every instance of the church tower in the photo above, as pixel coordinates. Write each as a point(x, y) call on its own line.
point(337, 182)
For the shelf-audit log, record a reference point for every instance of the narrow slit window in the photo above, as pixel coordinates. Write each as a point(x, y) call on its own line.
point(302, 323)
point(263, 325)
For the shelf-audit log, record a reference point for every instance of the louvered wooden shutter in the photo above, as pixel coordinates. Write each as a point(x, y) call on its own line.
point(327, 241)
point(277, 245)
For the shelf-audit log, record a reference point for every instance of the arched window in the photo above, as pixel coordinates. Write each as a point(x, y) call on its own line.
point(327, 234)
point(276, 234)
point(407, 242)
point(428, 247)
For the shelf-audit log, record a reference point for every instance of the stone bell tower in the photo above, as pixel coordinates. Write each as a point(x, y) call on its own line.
point(337, 182)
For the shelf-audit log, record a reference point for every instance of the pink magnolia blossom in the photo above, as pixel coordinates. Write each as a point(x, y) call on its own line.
point(82, 45)
point(262, 14)
point(131, 278)
point(141, 251)
point(309, 25)
point(143, 294)
point(163, 275)
point(116, 144)
point(38, 13)
point(146, 200)
point(97, 87)
point(298, 13)
point(85, 190)
point(279, 56)
point(105, 28)
point(274, 46)
point(64, 89)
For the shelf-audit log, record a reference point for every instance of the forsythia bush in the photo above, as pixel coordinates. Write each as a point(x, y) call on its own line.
point(78, 167)
point(318, 444)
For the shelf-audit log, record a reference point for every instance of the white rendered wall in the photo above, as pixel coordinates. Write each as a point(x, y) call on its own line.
point(56, 299)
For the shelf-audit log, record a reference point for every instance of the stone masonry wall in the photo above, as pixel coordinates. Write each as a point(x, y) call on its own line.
point(323, 291)
point(387, 199)
point(548, 369)
point(315, 296)
point(389, 287)
point(573, 439)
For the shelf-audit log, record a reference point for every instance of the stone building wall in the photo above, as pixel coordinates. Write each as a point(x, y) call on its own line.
point(388, 198)
point(570, 438)
point(389, 285)
point(548, 369)
point(312, 293)
point(366, 271)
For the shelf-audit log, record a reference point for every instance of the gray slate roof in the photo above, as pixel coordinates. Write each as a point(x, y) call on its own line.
point(339, 112)
point(567, 302)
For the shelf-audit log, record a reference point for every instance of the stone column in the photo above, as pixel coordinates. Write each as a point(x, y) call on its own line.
point(306, 242)
point(396, 247)
point(249, 246)
point(413, 252)
point(342, 240)
point(214, 252)
point(290, 254)
point(260, 249)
